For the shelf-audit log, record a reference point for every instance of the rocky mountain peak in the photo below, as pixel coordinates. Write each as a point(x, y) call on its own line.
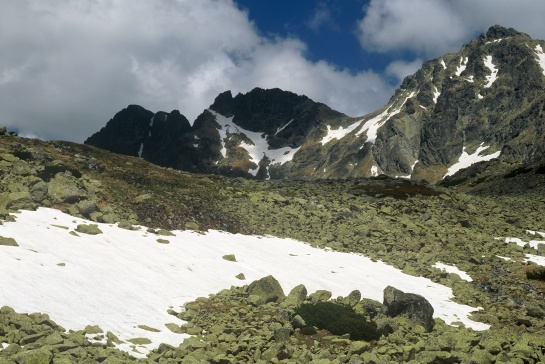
point(484, 103)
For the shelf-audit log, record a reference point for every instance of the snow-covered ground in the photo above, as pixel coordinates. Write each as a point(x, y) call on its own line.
point(259, 147)
point(121, 279)
point(467, 160)
point(532, 243)
point(462, 67)
point(453, 269)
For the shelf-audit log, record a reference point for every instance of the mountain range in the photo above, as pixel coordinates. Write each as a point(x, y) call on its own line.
point(483, 103)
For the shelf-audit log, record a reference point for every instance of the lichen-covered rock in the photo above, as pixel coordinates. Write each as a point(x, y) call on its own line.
point(64, 188)
point(353, 298)
point(264, 290)
point(230, 257)
point(91, 229)
point(8, 241)
point(320, 295)
point(410, 305)
point(87, 207)
point(37, 356)
point(296, 296)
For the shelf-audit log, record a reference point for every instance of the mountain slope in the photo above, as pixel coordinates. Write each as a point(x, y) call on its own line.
point(483, 103)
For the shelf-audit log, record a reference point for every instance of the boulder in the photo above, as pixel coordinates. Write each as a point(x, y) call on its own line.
point(8, 241)
point(264, 290)
point(64, 188)
point(353, 298)
point(320, 295)
point(91, 229)
point(413, 306)
point(296, 296)
point(38, 192)
point(87, 207)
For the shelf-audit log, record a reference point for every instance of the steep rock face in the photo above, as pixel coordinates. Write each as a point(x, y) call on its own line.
point(158, 138)
point(484, 103)
point(125, 132)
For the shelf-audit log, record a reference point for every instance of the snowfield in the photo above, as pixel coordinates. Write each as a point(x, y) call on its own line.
point(121, 279)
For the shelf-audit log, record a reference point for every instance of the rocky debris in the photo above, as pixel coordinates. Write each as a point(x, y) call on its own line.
point(64, 188)
point(36, 339)
point(230, 257)
point(413, 306)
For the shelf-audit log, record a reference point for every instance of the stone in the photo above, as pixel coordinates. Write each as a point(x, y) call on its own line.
point(8, 241)
point(413, 306)
point(320, 295)
point(91, 229)
point(298, 322)
point(19, 201)
point(282, 335)
point(266, 289)
point(230, 257)
point(38, 191)
point(241, 276)
point(353, 298)
point(296, 296)
point(87, 207)
point(64, 188)
point(37, 356)
point(191, 225)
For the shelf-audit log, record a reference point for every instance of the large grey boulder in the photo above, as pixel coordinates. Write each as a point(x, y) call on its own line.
point(410, 305)
point(265, 290)
point(64, 188)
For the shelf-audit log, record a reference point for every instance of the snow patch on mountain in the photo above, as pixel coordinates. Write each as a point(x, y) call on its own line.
point(540, 57)
point(121, 279)
point(436, 94)
point(258, 148)
point(461, 68)
point(467, 160)
point(339, 133)
point(493, 71)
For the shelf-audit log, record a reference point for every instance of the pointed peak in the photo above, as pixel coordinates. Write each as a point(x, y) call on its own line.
point(498, 32)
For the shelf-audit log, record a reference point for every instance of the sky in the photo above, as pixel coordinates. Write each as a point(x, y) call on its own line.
point(67, 66)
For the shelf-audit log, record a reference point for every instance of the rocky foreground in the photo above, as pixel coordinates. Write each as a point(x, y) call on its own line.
point(409, 225)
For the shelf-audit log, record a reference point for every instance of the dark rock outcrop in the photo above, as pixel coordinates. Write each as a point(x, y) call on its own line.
point(410, 305)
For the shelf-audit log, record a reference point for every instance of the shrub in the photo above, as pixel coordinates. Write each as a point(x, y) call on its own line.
point(339, 320)
point(536, 274)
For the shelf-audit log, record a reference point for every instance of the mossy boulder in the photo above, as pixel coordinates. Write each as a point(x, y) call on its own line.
point(8, 241)
point(91, 229)
point(64, 188)
point(264, 290)
point(37, 356)
point(410, 305)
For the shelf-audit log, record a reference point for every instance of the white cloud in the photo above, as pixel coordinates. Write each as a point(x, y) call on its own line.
point(434, 27)
point(67, 66)
point(321, 17)
point(400, 69)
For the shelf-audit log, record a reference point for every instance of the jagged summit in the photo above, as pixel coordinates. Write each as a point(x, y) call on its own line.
point(482, 104)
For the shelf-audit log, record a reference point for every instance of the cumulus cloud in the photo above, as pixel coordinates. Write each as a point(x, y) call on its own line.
point(67, 66)
point(434, 27)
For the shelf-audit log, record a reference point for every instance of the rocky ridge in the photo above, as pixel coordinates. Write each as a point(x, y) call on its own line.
point(483, 103)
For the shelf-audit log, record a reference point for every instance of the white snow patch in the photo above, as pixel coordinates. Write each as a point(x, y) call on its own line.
point(532, 243)
point(480, 97)
point(140, 150)
point(436, 94)
point(467, 160)
point(533, 232)
point(495, 41)
point(470, 79)
point(338, 133)
point(283, 127)
point(453, 269)
point(493, 71)
point(3, 346)
point(195, 145)
point(374, 171)
point(121, 278)
point(505, 258)
point(443, 64)
point(259, 146)
point(540, 57)
point(372, 125)
point(461, 68)
point(535, 259)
